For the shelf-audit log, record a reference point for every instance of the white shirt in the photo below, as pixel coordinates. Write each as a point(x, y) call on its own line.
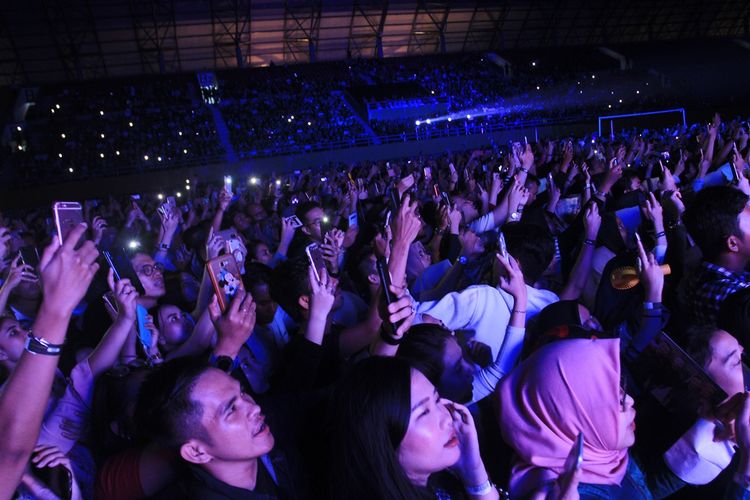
point(483, 310)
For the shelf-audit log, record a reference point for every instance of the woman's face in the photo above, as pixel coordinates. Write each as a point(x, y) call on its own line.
point(174, 326)
point(725, 364)
point(430, 444)
point(626, 422)
point(458, 374)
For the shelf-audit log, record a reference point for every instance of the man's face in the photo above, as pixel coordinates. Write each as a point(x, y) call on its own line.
point(263, 254)
point(265, 307)
point(233, 422)
point(467, 209)
point(150, 276)
point(312, 224)
point(744, 223)
point(256, 213)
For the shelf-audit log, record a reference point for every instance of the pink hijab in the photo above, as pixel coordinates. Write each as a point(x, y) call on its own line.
point(564, 388)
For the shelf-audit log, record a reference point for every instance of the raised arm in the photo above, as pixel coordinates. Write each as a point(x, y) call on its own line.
point(582, 268)
point(66, 274)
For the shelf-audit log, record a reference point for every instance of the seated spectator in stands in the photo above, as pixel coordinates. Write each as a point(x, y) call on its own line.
point(718, 220)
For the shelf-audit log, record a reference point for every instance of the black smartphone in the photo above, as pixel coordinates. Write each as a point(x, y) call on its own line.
point(118, 260)
point(385, 283)
point(29, 256)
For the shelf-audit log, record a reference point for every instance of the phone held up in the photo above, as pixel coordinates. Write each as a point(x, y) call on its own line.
point(226, 278)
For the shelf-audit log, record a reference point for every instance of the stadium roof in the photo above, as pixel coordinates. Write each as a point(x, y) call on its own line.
point(60, 40)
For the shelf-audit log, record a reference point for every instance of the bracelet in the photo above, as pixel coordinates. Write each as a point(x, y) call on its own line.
point(589, 242)
point(519, 311)
point(389, 339)
point(480, 489)
point(37, 345)
point(162, 246)
point(660, 234)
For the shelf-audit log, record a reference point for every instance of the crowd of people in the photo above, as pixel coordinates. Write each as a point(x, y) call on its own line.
point(476, 324)
point(95, 129)
point(90, 130)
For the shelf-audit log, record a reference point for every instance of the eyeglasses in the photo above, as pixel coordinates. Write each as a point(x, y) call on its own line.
point(148, 269)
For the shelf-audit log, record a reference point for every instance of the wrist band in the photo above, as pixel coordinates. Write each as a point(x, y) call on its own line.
point(519, 311)
point(660, 234)
point(37, 345)
point(162, 246)
point(480, 489)
point(389, 339)
point(589, 242)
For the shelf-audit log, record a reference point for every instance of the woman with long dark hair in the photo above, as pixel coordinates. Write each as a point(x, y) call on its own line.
point(393, 437)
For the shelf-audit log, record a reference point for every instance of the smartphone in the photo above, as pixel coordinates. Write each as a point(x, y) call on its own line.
point(118, 260)
point(315, 256)
point(353, 220)
point(135, 197)
point(294, 220)
point(228, 183)
point(436, 190)
point(144, 334)
point(171, 200)
point(502, 245)
point(68, 214)
point(394, 199)
point(575, 457)
point(226, 278)
point(427, 172)
point(446, 198)
point(29, 256)
point(550, 181)
point(384, 227)
point(233, 241)
point(385, 283)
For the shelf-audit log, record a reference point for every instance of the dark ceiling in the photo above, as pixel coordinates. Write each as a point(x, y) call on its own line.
point(60, 40)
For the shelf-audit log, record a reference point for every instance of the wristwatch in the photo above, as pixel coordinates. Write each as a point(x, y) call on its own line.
point(36, 345)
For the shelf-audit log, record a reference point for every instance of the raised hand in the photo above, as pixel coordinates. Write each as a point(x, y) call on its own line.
point(19, 272)
point(98, 225)
point(235, 326)
point(511, 278)
point(125, 296)
point(66, 273)
point(652, 276)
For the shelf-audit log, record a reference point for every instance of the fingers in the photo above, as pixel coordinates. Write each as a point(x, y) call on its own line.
point(74, 236)
point(48, 253)
point(237, 300)
point(111, 279)
point(641, 251)
point(213, 309)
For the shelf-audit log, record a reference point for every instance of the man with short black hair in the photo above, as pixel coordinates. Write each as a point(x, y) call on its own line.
point(217, 429)
point(719, 223)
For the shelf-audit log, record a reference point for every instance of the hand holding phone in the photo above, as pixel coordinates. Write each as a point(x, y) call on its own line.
point(575, 457)
point(68, 215)
point(226, 278)
point(315, 257)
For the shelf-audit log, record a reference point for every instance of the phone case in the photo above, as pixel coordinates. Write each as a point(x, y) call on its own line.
point(144, 334)
point(316, 259)
point(68, 214)
point(225, 277)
